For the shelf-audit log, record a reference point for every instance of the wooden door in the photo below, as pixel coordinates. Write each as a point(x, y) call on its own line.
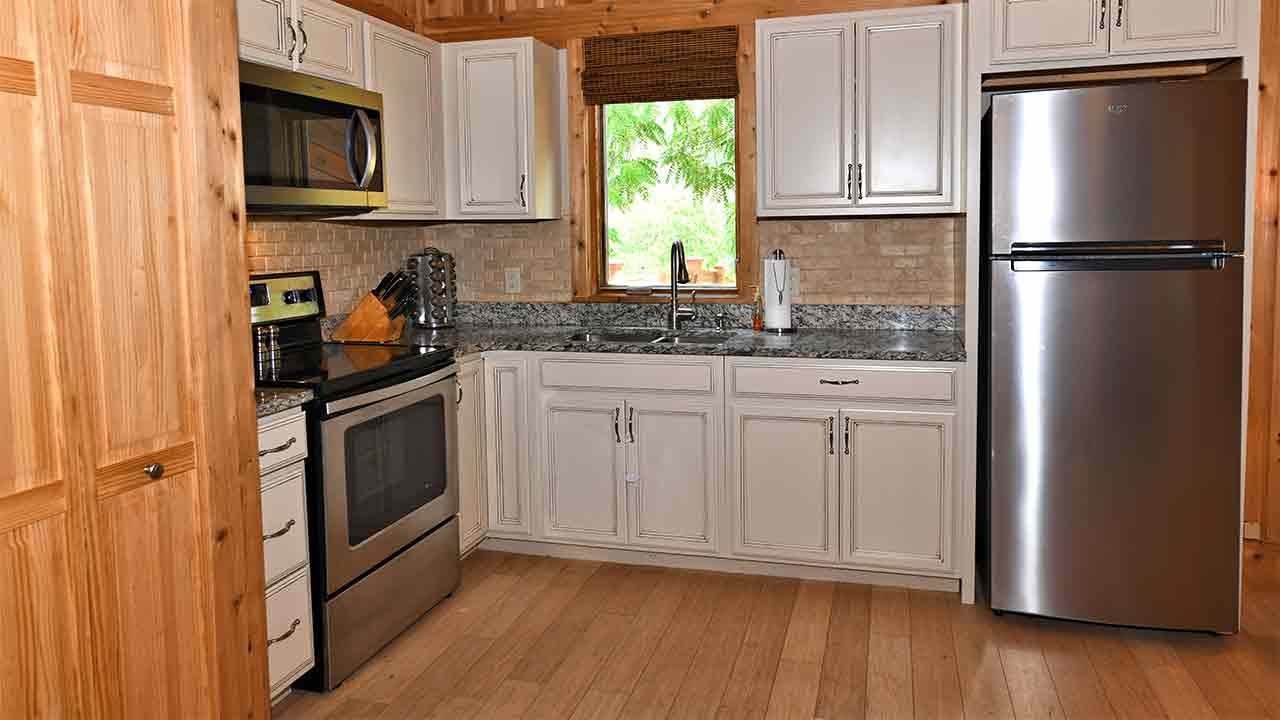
point(783, 482)
point(1030, 30)
point(805, 115)
point(330, 41)
point(907, 100)
point(405, 68)
point(673, 472)
point(507, 444)
point(131, 568)
point(1141, 26)
point(472, 509)
point(267, 33)
point(491, 106)
point(896, 488)
point(583, 464)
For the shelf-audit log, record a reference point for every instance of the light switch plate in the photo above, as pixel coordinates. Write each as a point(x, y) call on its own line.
point(512, 280)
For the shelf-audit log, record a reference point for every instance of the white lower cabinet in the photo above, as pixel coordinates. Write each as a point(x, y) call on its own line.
point(584, 460)
point(506, 441)
point(473, 514)
point(673, 472)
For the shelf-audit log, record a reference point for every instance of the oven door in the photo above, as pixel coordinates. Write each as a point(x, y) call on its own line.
point(390, 469)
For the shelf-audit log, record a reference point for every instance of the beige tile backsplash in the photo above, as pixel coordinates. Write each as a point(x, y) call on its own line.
point(889, 261)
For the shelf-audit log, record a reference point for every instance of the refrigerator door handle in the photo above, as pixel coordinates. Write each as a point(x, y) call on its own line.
point(1214, 261)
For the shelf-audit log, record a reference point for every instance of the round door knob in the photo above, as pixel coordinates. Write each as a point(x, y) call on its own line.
point(154, 470)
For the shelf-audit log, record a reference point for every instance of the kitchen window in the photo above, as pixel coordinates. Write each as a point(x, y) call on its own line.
point(660, 127)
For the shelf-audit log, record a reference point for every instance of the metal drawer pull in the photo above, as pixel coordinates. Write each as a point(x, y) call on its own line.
point(281, 532)
point(831, 436)
point(617, 434)
point(631, 425)
point(823, 381)
point(293, 36)
point(846, 435)
point(1102, 16)
point(278, 448)
point(154, 471)
point(293, 627)
point(302, 50)
point(1119, 13)
point(849, 182)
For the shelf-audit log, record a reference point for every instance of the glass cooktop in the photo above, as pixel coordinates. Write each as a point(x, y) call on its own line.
point(329, 369)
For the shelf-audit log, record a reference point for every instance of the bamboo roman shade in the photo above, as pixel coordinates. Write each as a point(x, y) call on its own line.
point(650, 67)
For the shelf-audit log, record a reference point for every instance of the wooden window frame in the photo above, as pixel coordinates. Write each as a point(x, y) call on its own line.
point(586, 167)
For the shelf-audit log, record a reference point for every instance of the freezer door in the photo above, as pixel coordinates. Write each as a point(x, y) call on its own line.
point(1151, 163)
point(1115, 442)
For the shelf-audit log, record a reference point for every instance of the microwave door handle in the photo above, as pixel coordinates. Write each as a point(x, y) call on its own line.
point(351, 148)
point(370, 149)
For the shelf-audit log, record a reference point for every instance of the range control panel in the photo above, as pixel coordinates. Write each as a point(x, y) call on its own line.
point(285, 296)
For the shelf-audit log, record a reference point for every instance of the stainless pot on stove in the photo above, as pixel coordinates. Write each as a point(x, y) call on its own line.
point(436, 273)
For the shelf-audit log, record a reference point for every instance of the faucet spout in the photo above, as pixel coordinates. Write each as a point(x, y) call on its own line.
point(679, 274)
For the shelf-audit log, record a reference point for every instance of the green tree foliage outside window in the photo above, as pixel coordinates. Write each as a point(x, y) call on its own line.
point(670, 175)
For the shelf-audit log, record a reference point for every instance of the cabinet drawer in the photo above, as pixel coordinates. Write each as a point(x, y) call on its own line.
point(675, 376)
point(282, 439)
point(845, 382)
point(284, 522)
point(290, 650)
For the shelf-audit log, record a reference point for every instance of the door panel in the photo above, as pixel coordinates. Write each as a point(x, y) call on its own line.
point(897, 488)
point(141, 53)
point(784, 482)
point(905, 110)
point(1160, 25)
point(405, 68)
point(265, 36)
point(806, 115)
point(330, 41)
point(492, 99)
point(507, 445)
point(673, 472)
point(472, 505)
point(1115, 444)
point(1141, 194)
point(585, 462)
point(1028, 30)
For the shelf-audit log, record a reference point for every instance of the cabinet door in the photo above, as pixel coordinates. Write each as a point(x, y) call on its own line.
point(492, 107)
point(584, 463)
point(507, 445)
point(405, 67)
point(673, 472)
point(330, 41)
point(897, 494)
point(783, 482)
point(805, 120)
point(906, 107)
point(1029, 30)
point(267, 35)
point(472, 509)
point(1159, 25)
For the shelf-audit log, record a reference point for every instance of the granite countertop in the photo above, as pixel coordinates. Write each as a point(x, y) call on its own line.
point(274, 400)
point(892, 345)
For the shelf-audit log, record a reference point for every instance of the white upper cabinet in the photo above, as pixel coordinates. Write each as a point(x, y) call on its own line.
point(406, 69)
point(805, 123)
point(1037, 30)
point(503, 130)
point(1160, 25)
point(860, 113)
point(316, 37)
point(1025, 30)
point(908, 132)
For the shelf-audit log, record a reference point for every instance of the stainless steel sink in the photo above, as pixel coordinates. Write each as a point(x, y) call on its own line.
point(699, 339)
point(617, 336)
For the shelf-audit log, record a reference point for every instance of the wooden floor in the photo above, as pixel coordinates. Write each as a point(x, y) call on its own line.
point(546, 638)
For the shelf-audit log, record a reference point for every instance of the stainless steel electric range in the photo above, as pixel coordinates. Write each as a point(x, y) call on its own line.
point(381, 478)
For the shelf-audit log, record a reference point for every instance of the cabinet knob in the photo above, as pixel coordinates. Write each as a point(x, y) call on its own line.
point(155, 471)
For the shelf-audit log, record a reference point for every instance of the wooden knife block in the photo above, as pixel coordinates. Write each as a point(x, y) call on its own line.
point(369, 323)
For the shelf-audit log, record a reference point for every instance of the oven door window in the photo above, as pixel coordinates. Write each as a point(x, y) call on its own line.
point(396, 463)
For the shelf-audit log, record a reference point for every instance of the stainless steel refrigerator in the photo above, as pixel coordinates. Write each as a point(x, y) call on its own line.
point(1113, 294)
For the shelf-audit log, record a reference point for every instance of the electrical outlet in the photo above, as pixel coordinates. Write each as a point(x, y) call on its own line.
point(512, 282)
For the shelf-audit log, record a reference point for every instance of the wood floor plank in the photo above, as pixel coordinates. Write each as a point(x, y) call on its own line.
point(935, 677)
point(982, 684)
point(356, 709)
point(660, 682)
point(510, 700)
point(708, 675)
point(1026, 673)
point(1073, 673)
point(562, 691)
point(751, 682)
point(1126, 686)
point(889, 693)
point(633, 591)
point(1177, 690)
point(505, 653)
point(842, 692)
point(1208, 662)
point(795, 687)
point(1256, 656)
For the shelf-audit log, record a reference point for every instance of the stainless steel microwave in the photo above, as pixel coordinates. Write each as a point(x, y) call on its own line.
point(311, 146)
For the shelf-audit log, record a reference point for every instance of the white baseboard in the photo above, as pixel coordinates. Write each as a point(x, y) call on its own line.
point(740, 567)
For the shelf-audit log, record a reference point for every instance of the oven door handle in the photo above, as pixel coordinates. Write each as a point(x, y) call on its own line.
point(386, 393)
